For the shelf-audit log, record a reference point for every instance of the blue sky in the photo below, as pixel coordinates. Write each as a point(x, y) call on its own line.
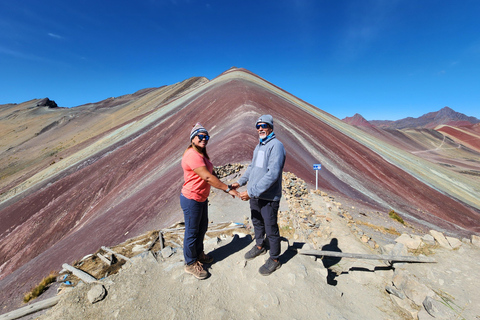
point(384, 59)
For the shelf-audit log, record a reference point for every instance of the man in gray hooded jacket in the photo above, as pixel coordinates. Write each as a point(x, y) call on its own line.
point(264, 190)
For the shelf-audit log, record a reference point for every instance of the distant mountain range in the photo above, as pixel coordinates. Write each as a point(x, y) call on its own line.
point(431, 120)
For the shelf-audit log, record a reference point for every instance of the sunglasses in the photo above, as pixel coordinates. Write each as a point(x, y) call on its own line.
point(202, 136)
point(263, 125)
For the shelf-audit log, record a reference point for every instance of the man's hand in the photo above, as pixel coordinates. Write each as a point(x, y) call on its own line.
point(244, 196)
point(235, 185)
point(234, 193)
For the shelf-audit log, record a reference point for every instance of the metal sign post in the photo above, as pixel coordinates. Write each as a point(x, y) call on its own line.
point(316, 167)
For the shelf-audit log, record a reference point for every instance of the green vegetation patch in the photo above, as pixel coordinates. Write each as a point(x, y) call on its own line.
point(395, 216)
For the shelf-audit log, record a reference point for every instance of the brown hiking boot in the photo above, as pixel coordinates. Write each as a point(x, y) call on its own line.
point(197, 270)
point(205, 258)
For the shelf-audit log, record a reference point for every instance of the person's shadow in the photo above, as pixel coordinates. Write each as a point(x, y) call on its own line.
point(328, 261)
point(237, 244)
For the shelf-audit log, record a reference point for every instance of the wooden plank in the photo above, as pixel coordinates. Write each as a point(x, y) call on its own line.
point(79, 273)
point(34, 307)
point(117, 254)
point(213, 226)
point(208, 231)
point(160, 237)
point(104, 259)
point(153, 242)
point(367, 256)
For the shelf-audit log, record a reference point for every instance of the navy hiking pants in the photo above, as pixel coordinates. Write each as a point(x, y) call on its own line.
point(196, 225)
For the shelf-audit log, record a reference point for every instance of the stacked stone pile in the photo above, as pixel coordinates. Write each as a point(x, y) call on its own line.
point(301, 219)
point(313, 225)
point(229, 169)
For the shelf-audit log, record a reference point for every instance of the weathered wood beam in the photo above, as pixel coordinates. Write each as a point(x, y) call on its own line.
point(34, 307)
point(366, 256)
point(117, 254)
point(79, 273)
point(104, 259)
point(160, 237)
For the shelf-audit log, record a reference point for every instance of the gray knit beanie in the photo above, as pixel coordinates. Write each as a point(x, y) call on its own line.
point(198, 128)
point(266, 118)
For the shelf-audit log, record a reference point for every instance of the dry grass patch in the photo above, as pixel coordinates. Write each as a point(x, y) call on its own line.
point(389, 230)
point(41, 287)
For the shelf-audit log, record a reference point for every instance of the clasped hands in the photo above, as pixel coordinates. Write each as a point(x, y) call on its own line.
point(242, 195)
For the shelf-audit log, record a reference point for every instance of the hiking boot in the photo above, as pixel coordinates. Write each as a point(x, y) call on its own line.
point(197, 270)
point(255, 252)
point(269, 267)
point(205, 258)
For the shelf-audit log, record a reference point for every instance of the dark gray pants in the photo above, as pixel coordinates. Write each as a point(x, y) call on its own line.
point(264, 219)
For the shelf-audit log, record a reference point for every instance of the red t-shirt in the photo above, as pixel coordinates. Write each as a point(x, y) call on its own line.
point(195, 188)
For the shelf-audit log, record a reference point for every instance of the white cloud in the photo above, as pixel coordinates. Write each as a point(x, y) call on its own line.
point(56, 36)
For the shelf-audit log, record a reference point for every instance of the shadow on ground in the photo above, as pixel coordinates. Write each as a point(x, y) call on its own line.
point(237, 244)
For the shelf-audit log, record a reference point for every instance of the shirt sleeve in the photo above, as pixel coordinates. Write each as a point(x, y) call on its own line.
point(194, 160)
point(244, 179)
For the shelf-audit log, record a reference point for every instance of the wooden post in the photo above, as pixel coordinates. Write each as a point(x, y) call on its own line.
point(79, 273)
point(104, 259)
point(153, 242)
point(160, 237)
point(367, 256)
point(34, 307)
point(117, 254)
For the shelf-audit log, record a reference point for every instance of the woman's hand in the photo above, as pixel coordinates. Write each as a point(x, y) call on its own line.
point(234, 193)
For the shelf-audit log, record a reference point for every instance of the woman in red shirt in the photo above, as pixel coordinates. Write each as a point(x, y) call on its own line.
point(198, 176)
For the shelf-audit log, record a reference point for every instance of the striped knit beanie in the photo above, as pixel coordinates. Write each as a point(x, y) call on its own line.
point(198, 128)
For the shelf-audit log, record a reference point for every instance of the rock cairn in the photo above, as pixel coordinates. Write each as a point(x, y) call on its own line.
point(308, 224)
point(228, 170)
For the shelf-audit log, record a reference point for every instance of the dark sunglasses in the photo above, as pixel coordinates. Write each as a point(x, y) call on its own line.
point(263, 125)
point(201, 137)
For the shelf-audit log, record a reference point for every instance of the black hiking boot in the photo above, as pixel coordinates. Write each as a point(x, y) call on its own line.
point(269, 267)
point(255, 252)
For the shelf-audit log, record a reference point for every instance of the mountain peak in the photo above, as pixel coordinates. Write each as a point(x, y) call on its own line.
point(357, 120)
point(430, 120)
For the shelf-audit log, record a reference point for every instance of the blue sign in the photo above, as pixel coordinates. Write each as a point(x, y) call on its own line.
point(317, 166)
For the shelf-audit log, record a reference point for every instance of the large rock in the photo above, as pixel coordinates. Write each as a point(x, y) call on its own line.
point(414, 290)
point(409, 242)
point(454, 242)
point(406, 305)
point(476, 240)
point(437, 309)
point(428, 239)
point(96, 293)
point(440, 238)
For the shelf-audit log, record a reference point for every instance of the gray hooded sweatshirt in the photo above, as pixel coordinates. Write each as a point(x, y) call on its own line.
point(264, 174)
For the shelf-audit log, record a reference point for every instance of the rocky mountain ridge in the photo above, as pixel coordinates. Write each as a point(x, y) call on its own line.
point(445, 116)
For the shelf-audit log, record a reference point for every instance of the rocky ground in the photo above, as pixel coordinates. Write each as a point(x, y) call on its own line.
point(153, 284)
